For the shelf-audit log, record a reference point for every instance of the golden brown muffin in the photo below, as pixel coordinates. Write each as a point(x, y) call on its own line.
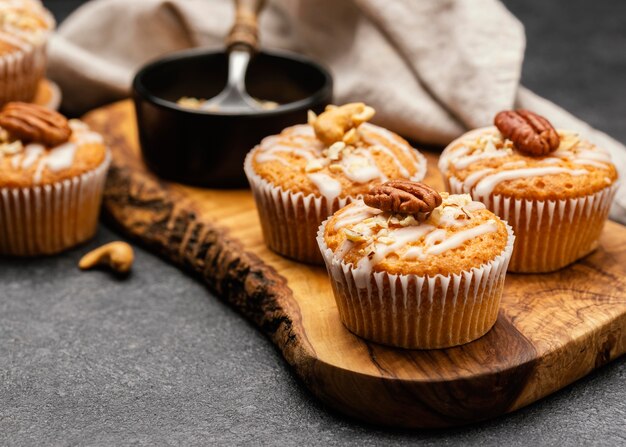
point(49, 195)
point(25, 26)
point(302, 175)
point(557, 203)
point(27, 165)
point(417, 282)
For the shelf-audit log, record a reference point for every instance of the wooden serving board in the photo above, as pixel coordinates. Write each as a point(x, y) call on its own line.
point(552, 329)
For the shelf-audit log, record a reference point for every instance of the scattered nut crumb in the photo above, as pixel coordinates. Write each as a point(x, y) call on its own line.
point(118, 256)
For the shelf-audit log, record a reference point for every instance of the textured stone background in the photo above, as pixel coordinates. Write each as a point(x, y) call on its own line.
point(89, 360)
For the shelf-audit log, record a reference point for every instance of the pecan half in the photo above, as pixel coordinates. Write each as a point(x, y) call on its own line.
point(403, 197)
point(31, 123)
point(531, 133)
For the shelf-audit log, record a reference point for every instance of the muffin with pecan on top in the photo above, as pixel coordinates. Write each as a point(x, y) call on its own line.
point(414, 268)
point(308, 172)
point(52, 174)
point(554, 187)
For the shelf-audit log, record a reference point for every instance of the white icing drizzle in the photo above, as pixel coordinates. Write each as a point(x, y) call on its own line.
point(384, 241)
point(345, 248)
point(460, 237)
point(360, 168)
point(396, 160)
point(465, 162)
point(31, 154)
point(594, 155)
point(20, 23)
point(583, 162)
point(57, 158)
point(401, 237)
point(573, 150)
point(328, 186)
point(307, 154)
point(391, 140)
point(15, 161)
point(354, 214)
point(302, 130)
point(471, 179)
point(357, 164)
point(488, 183)
point(434, 237)
point(61, 157)
point(515, 164)
point(452, 153)
point(551, 160)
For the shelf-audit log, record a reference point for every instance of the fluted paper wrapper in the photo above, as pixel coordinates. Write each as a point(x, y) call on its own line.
point(48, 219)
point(21, 71)
point(550, 234)
point(290, 220)
point(418, 312)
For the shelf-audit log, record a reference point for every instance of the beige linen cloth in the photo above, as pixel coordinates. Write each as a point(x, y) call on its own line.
point(431, 68)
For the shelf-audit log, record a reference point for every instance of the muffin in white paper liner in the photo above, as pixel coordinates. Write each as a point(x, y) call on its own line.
point(290, 220)
point(50, 218)
point(418, 312)
point(21, 72)
point(550, 234)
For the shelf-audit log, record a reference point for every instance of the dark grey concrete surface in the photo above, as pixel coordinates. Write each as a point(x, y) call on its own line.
point(86, 359)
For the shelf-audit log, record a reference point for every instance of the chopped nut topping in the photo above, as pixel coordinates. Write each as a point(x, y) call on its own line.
point(334, 151)
point(408, 221)
point(340, 123)
point(313, 166)
point(385, 240)
point(351, 137)
point(335, 168)
point(568, 141)
point(354, 236)
point(11, 148)
point(452, 211)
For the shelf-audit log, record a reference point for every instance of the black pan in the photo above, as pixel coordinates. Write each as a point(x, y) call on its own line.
point(207, 148)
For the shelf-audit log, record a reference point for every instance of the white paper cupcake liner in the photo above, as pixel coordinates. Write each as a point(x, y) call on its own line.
point(550, 234)
point(50, 218)
point(418, 312)
point(290, 220)
point(21, 71)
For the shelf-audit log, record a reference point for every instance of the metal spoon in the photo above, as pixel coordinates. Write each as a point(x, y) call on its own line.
point(242, 42)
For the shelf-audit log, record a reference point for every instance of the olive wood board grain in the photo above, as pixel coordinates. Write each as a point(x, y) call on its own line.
point(552, 329)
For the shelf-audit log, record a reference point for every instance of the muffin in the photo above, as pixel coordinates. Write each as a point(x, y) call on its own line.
point(25, 26)
point(52, 174)
point(415, 269)
point(308, 172)
point(554, 187)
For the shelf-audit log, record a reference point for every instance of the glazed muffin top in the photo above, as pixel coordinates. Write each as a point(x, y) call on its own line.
point(336, 155)
point(456, 236)
point(487, 162)
point(39, 146)
point(23, 23)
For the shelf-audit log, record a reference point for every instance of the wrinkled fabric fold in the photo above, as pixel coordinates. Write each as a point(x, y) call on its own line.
point(431, 68)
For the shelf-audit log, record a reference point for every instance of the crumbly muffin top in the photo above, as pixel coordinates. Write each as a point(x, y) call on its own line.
point(487, 163)
point(459, 235)
point(23, 23)
point(298, 161)
point(31, 164)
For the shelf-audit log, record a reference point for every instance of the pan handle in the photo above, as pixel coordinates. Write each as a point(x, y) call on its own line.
point(245, 31)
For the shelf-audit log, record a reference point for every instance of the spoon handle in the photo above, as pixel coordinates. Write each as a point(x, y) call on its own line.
point(245, 32)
